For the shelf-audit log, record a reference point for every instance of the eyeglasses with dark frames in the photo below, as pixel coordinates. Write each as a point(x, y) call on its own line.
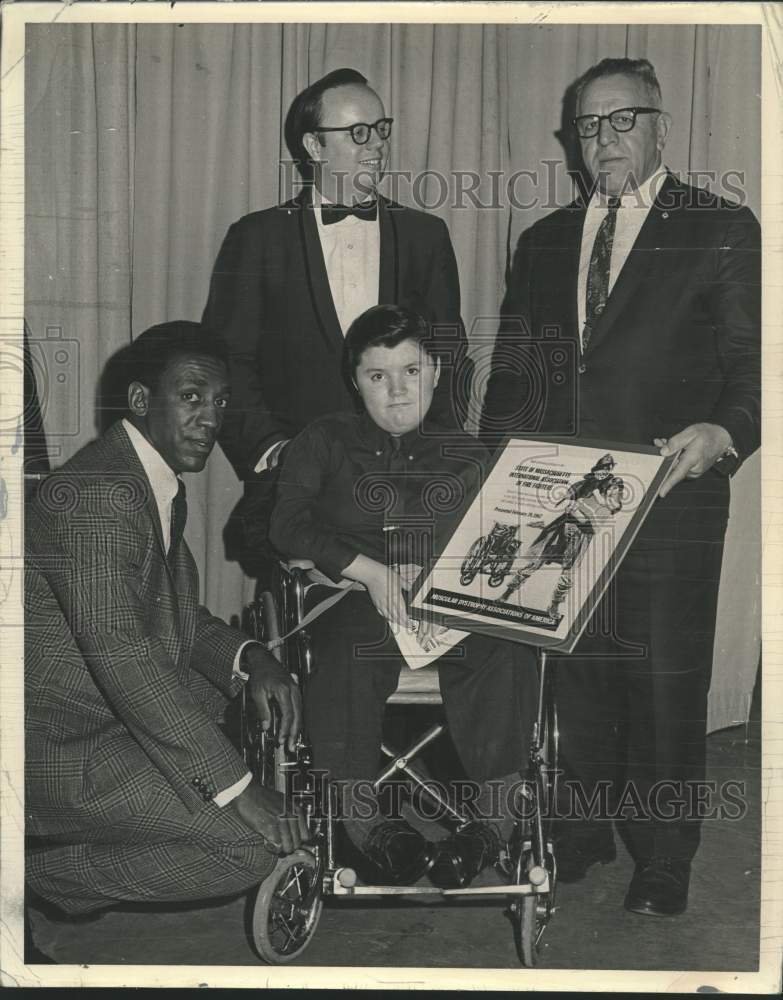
point(361, 131)
point(621, 120)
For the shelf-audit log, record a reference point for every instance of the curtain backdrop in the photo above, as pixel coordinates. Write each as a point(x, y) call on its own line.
point(144, 142)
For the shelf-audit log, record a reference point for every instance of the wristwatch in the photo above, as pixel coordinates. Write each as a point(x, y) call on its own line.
point(728, 463)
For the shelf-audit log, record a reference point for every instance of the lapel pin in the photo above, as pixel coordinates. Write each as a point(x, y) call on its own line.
point(665, 215)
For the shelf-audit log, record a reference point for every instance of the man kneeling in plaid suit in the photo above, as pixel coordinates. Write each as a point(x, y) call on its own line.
point(133, 791)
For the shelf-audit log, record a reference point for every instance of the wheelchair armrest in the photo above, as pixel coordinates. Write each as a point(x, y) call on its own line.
point(300, 564)
point(306, 571)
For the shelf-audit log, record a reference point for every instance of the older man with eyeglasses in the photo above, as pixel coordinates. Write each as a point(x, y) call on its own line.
point(653, 287)
point(289, 281)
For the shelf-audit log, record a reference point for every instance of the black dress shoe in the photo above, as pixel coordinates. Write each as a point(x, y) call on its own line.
point(464, 854)
point(399, 854)
point(659, 887)
point(576, 853)
point(54, 914)
point(32, 953)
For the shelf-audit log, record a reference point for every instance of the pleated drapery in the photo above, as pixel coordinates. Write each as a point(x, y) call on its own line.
point(144, 142)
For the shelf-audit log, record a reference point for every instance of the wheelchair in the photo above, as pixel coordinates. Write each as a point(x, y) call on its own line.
point(289, 902)
point(492, 554)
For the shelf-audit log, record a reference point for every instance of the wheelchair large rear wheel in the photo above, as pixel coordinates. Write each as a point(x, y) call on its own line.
point(471, 564)
point(531, 914)
point(263, 755)
point(288, 908)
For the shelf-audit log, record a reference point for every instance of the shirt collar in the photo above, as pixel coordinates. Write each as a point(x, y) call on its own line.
point(319, 199)
point(410, 444)
point(163, 480)
point(642, 197)
point(324, 231)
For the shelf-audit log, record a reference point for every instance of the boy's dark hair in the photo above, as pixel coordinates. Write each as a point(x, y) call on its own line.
point(385, 326)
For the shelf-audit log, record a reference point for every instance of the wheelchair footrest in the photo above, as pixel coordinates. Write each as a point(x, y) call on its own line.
point(385, 890)
point(525, 889)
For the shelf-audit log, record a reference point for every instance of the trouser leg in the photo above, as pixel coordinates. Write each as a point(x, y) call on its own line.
point(489, 697)
point(160, 853)
point(80, 878)
point(667, 691)
point(590, 701)
point(633, 714)
point(357, 669)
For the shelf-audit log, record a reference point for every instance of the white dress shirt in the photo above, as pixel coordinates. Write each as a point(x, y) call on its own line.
point(164, 485)
point(163, 480)
point(634, 209)
point(352, 255)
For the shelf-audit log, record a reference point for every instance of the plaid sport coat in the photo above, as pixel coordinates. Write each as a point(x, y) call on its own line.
point(124, 671)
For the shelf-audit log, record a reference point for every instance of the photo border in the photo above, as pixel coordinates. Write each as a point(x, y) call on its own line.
point(14, 18)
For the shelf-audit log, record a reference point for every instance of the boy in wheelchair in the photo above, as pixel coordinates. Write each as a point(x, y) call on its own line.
point(369, 497)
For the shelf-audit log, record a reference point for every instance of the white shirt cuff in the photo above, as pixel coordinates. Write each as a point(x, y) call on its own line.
point(269, 459)
point(229, 794)
point(238, 658)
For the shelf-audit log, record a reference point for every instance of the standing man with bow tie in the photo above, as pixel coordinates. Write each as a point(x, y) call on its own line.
point(133, 792)
point(289, 281)
point(653, 289)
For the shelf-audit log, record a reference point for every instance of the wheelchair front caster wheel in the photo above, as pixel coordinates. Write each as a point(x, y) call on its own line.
point(287, 909)
point(526, 929)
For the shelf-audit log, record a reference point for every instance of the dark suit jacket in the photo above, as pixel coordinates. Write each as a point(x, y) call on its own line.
point(678, 342)
point(123, 670)
point(270, 298)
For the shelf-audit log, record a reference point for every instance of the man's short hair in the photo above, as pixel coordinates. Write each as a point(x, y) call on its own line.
point(151, 353)
point(385, 326)
point(304, 115)
point(640, 69)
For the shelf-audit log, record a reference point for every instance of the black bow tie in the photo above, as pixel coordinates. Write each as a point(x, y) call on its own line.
point(367, 212)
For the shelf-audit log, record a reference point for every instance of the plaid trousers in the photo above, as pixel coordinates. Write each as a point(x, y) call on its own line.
point(161, 853)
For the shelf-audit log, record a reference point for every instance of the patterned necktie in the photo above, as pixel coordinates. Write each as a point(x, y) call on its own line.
point(598, 272)
point(179, 515)
point(367, 212)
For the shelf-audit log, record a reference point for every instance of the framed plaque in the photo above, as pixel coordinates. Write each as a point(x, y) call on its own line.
point(538, 546)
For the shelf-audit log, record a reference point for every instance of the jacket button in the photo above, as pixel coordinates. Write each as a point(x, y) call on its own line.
point(582, 369)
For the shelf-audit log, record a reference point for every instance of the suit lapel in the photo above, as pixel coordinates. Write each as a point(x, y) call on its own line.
point(389, 269)
point(651, 236)
point(317, 278)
